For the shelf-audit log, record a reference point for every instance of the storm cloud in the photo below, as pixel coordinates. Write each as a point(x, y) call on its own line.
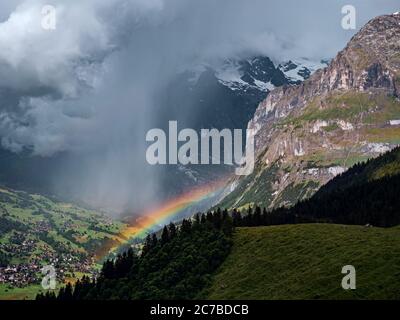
point(88, 87)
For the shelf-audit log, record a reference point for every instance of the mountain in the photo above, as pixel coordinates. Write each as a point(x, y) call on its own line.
point(366, 194)
point(301, 69)
point(306, 134)
point(227, 96)
point(217, 256)
point(36, 231)
point(255, 73)
point(313, 251)
point(203, 97)
point(383, 167)
point(223, 97)
point(261, 73)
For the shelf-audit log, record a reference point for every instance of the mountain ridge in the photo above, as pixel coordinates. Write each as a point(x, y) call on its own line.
point(306, 134)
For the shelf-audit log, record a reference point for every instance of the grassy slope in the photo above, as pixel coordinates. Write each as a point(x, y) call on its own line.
point(88, 230)
point(305, 262)
point(26, 293)
point(85, 225)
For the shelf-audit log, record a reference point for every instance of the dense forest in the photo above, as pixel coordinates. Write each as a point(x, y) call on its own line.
point(177, 265)
point(376, 203)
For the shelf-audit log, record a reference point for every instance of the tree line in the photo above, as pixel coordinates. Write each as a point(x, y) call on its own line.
point(176, 265)
point(368, 193)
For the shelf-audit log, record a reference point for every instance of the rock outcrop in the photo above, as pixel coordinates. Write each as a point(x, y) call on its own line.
point(308, 133)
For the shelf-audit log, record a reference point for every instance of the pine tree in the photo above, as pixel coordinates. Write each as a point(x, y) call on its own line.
point(165, 237)
point(257, 216)
point(197, 220)
point(227, 226)
point(217, 219)
point(147, 245)
point(108, 270)
point(68, 292)
point(186, 226)
point(172, 230)
point(154, 241)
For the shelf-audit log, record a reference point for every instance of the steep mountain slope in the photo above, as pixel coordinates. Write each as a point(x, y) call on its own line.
point(261, 73)
point(308, 133)
point(301, 69)
point(219, 97)
point(385, 166)
point(366, 194)
point(305, 262)
point(228, 95)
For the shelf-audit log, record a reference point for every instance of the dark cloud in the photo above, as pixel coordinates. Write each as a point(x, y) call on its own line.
point(89, 86)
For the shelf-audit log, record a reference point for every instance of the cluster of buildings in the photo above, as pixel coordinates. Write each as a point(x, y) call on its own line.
point(28, 260)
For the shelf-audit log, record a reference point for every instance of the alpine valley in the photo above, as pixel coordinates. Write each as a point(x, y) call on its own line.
point(202, 97)
point(324, 192)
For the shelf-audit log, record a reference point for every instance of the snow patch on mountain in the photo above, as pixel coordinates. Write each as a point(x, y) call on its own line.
point(301, 69)
point(264, 86)
point(252, 73)
point(259, 73)
point(230, 74)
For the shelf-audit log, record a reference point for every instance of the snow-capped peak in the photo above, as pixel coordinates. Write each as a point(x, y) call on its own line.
point(300, 69)
point(229, 75)
point(258, 73)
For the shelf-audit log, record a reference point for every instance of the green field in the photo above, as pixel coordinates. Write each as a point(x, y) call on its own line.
point(305, 262)
point(26, 293)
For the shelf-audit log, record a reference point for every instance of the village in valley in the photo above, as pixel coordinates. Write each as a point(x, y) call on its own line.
point(38, 232)
point(67, 266)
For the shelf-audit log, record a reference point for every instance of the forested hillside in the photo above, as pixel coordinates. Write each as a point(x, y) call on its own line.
point(366, 194)
point(178, 265)
point(280, 262)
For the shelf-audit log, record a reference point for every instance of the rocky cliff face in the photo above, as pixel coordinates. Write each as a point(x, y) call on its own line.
point(345, 113)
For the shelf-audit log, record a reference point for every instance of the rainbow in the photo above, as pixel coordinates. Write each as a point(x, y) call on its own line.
point(151, 220)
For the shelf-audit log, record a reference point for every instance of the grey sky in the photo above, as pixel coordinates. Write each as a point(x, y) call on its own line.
point(88, 86)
